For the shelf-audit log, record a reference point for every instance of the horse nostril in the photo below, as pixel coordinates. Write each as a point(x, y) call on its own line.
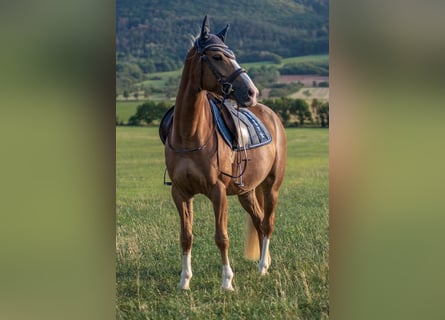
point(250, 93)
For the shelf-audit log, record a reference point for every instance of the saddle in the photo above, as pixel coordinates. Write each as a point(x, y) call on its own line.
point(240, 128)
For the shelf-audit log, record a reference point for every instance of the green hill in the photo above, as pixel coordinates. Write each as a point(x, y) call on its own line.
point(154, 35)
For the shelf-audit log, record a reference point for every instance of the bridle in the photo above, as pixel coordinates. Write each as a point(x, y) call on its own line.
point(226, 83)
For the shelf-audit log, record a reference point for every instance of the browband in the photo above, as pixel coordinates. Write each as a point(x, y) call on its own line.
point(214, 47)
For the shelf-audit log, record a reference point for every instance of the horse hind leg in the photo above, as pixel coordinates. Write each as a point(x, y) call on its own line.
point(270, 202)
point(185, 210)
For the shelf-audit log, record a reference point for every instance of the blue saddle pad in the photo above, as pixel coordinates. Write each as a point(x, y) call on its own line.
point(245, 131)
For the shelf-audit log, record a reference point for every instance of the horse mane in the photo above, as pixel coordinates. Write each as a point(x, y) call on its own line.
point(193, 38)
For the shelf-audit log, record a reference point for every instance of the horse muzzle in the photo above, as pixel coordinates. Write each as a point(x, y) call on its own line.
point(246, 93)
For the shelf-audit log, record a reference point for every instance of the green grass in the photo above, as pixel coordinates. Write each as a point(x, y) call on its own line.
point(148, 254)
point(126, 109)
point(158, 79)
point(309, 58)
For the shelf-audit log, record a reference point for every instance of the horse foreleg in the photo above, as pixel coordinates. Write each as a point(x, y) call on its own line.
point(185, 210)
point(219, 200)
point(186, 274)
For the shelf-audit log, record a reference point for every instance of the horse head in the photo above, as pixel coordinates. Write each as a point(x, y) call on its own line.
point(220, 72)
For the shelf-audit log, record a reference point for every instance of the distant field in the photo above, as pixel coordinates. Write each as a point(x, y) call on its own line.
point(314, 93)
point(126, 109)
point(159, 80)
point(310, 58)
point(148, 255)
point(307, 80)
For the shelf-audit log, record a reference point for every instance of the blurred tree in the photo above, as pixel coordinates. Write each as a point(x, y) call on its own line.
point(148, 112)
point(324, 115)
point(315, 109)
point(301, 109)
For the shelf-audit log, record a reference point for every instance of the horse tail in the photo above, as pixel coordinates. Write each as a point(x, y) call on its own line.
point(251, 244)
point(252, 250)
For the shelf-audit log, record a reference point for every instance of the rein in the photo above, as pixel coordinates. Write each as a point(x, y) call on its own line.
point(239, 170)
point(195, 149)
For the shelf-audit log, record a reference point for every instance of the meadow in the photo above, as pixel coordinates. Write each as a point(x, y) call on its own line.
point(148, 254)
point(126, 109)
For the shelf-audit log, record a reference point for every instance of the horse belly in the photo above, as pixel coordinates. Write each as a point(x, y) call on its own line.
point(258, 168)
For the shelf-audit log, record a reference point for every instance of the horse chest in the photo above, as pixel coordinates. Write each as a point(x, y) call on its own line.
point(196, 174)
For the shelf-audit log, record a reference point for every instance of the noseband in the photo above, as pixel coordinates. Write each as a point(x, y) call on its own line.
point(227, 83)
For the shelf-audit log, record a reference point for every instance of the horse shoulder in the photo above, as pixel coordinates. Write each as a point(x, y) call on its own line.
point(268, 117)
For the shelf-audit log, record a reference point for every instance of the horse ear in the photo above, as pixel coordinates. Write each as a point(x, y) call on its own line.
point(223, 33)
point(205, 30)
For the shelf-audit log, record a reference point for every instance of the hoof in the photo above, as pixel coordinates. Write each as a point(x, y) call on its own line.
point(263, 271)
point(264, 265)
point(263, 268)
point(227, 276)
point(229, 288)
point(182, 286)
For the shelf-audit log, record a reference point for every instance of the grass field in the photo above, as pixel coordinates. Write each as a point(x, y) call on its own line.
point(315, 93)
point(309, 58)
point(126, 109)
point(148, 254)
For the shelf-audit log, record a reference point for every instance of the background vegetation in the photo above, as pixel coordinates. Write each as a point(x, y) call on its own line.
point(285, 38)
point(266, 75)
point(292, 112)
point(148, 255)
point(154, 36)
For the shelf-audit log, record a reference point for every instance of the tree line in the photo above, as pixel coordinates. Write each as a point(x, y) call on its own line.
point(292, 112)
point(298, 113)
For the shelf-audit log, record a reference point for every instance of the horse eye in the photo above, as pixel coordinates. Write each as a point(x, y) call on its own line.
point(217, 57)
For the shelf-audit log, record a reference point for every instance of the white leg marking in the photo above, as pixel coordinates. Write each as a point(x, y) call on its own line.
point(265, 257)
point(227, 276)
point(186, 274)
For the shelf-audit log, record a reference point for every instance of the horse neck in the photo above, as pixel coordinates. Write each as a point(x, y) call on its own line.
point(192, 123)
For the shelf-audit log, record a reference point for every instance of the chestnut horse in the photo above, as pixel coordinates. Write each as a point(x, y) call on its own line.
point(199, 162)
